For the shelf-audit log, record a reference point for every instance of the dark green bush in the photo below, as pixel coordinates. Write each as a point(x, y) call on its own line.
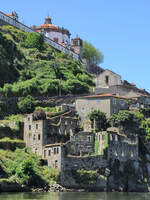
point(26, 105)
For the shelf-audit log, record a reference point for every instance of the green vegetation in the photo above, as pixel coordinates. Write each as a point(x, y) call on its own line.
point(125, 119)
point(91, 53)
point(11, 144)
point(31, 67)
point(26, 104)
point(34, 40)
point(24, 167)
point(100, 119)
point(105, 150)
point(88, 177)
point(96, 146)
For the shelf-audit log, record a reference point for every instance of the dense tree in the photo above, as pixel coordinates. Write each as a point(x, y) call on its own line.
point(99, 118)
point(26, 105)
point(92, 54)
point(125, 119)
point(34, 40)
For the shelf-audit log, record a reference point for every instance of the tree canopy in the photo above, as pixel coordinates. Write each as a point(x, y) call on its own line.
point(100, 119)
point(92, 54)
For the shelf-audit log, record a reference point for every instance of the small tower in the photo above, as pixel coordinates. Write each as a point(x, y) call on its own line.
point(77, 44)
point(48, 20)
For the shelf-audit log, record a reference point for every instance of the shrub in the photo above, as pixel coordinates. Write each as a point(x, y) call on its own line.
point(100, 119)
point(26, 105)
point(34, 40)
point(39, 115)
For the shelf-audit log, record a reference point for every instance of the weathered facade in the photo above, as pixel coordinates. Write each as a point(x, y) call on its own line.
point(122, 146)
point(81, 143)
point(108, 78)
point(106, 103)
point(38, 133)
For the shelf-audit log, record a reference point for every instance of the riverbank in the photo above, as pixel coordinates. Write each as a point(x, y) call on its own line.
point(6, 186)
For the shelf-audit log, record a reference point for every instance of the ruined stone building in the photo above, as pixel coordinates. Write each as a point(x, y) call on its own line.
point(39, 133)
point(122, 146)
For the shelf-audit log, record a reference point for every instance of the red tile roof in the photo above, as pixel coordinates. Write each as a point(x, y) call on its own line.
point(105, 95)
point(50, 26)
point(141, 94)
point(10, 15)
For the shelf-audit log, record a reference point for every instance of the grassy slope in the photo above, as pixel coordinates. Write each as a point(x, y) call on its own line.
point(30, 71)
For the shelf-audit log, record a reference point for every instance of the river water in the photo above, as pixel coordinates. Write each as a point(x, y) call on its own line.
point(75, 196)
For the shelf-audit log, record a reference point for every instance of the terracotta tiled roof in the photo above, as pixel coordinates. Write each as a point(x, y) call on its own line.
point(105, 95)
point(38, 31)
point(50, 26)
point(141, 94)
point(10, 15)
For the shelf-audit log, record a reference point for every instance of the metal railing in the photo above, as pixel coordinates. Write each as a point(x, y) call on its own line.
point(25, 28)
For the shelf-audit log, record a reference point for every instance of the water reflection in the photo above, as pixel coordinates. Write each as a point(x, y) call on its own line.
point(75, 196)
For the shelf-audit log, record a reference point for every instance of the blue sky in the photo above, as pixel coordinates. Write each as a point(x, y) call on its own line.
point(120, 29)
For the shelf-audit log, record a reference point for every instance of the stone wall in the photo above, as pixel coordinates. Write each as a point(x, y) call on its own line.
point(87, 163)
point(108, 78)
point(81, 143)
point(38, 133)
point(101, 137)
point(11, 145)
point(122, 146)
point(34, 134)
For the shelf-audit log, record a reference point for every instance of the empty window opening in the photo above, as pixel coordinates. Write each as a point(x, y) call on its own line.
point(29, 127)
point(49, 152)
point(36, 126)
point(107, 80)
point(34, 137)
point(89, 139)
point(39, 137)
point(57, 149)
point(56, 163)
point(44, 153)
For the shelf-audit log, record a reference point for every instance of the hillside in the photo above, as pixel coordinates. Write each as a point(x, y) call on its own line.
point(30, 66)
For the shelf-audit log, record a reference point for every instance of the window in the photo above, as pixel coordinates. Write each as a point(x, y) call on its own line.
point(89, 138)
point(55, 39)
point(36, 151)
point(49, 152)
point(75, 42)
point(36, 126)
point(29, 127)
point(99, 138)
point(39, 136)
point(28, 118)
point(34, 137)
point(98, 101)
point(44, 153)
point(111, 137)
point(55, 150)
point(56, 163)
point(115, 111)
point(122, 154)
point(107, 80)
point(83, 109)
point(114, 101)
point(122, 102)
point(103, 137)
